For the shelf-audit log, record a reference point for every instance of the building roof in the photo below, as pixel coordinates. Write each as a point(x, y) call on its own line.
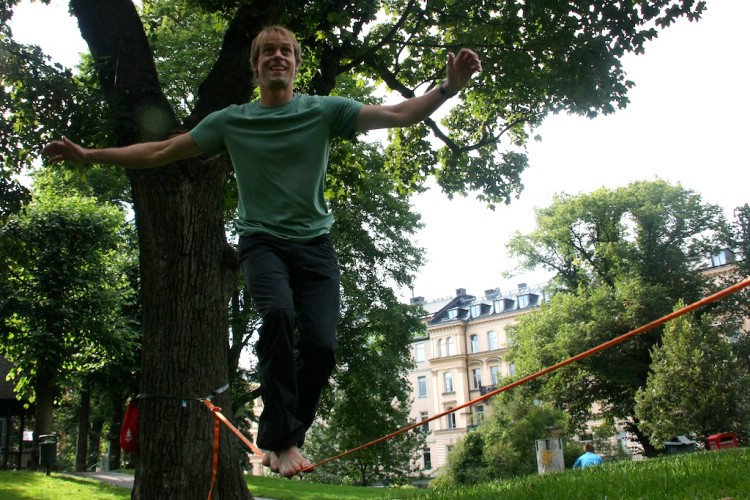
point(433, 306)
point(463, 306)
point(10, 404)
point(6, 387)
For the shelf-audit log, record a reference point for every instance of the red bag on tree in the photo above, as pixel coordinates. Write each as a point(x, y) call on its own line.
point(129, 431)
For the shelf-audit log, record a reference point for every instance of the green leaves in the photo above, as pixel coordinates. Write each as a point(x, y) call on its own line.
point(696, 386)
point(622, 258)
point(63, 265)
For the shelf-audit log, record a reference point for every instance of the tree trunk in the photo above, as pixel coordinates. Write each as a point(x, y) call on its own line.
point(187, 274)
point(83, 431)
point(95, 441)
point(649, 450)
point(115, 452)
point(185, 337)
point(44, 388)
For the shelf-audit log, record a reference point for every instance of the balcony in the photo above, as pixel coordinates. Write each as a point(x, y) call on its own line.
point(486, 389)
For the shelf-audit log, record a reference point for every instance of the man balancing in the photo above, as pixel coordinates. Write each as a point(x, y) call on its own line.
point(279, 149)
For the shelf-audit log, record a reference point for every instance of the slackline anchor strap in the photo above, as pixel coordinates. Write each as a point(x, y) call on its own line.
point(219, 418)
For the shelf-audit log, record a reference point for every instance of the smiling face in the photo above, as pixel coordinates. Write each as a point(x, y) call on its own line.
point(275, 58)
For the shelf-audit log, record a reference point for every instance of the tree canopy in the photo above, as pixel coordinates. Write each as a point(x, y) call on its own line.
point(64, 295)
point(696, 385)
point(624, 257)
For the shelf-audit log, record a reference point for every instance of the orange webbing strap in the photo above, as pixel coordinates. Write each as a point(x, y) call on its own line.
point(215, 459)
point(217, 412)
point(606, 345)
point(217, 426)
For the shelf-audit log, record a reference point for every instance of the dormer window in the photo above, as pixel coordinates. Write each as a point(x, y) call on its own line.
point(453, 313)
point(502, 305)
point(523, 301)
point(722, 258)
point(476, 310)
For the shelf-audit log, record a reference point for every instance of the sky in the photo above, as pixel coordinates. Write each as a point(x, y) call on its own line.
point(686, 123)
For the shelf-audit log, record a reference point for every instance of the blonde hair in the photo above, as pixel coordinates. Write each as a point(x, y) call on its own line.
point(267, 33)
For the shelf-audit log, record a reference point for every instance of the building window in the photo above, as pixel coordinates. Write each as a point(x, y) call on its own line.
point(523, 301)
point(492, 340)
point(476, 375)
point(451, 419)
point(422, 417)
point(419, 352)
point(722, 257)
point(422, 386)
point(451, 346)
point(495, 374)
point(448, 382)
point(512, 369)
point(476, 310)
point(453, 313)
point(426, 458)
point(478, 414)
point(441, 348)
point(474, 341)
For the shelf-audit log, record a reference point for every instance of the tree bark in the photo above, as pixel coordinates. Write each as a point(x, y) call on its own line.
point(44, 388)
point(82, 441)
point(187, 273)
point(115, 452)
point(95, 441)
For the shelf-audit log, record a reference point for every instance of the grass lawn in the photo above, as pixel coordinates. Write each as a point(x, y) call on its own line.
point(27, 485)
point(701, 475)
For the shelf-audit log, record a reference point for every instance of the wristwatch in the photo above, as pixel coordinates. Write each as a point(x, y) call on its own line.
point(445, 92)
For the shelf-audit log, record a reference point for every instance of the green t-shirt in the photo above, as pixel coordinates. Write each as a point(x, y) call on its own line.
point(280, 158)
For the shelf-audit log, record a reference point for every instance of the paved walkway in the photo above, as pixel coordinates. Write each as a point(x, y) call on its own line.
point(117, 478)
point(120, 479)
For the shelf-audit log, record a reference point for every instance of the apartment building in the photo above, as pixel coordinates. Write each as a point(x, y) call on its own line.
point(462, 357)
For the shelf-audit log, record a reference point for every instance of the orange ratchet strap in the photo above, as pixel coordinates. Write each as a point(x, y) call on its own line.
point(215, 460)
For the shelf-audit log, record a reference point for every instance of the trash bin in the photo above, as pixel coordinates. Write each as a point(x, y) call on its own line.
point(679, 444)
point(722, 441)
point(48, 451)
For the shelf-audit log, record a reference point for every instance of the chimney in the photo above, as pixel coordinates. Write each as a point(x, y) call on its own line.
point(460, 292)
point(416, 300)
point(522, 287)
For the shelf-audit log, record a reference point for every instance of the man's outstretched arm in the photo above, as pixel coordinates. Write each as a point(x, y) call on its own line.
point(460, 68)
point(141, 155)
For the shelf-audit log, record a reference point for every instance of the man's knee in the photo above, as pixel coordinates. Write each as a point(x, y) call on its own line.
point(276, 332)
point(319, 355)
point(279, 313)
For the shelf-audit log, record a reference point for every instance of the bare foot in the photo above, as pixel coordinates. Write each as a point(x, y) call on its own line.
point(271, 460)
point(291, 462)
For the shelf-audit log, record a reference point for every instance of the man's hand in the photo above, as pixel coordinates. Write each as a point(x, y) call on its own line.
point(460, 68)
point(64, 150)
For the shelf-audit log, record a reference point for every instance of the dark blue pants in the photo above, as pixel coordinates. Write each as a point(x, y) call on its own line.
point(295, 286)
